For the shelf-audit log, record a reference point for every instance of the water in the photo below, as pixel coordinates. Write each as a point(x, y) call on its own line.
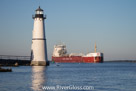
point(100, 77)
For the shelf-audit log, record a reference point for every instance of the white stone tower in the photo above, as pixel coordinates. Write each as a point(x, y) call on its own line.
point(39, 47)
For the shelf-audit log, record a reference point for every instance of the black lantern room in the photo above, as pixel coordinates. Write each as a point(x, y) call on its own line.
point(39, 13)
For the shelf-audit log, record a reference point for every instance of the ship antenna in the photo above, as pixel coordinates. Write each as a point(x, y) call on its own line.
point(95, 48)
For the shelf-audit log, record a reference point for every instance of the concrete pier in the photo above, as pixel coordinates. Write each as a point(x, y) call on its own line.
point(38, 63)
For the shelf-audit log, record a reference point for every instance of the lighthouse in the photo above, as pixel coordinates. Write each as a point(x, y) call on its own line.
point(39, 47)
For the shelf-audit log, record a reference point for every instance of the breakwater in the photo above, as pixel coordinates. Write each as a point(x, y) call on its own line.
point(11, 60)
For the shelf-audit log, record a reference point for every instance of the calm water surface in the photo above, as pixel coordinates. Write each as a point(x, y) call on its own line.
point(102, 77)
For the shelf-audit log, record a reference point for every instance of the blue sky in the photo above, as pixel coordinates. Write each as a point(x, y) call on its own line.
point(77, 23)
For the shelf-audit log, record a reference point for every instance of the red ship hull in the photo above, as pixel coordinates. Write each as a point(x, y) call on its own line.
point(93, 59)
point(77, 59)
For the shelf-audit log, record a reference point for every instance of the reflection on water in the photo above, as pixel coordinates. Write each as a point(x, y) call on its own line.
point(108, 76)
point(38, 77)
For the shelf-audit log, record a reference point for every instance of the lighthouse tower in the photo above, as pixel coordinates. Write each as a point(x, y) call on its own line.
point(39, 48)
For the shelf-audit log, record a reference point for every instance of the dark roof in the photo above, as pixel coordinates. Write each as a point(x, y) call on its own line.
point(39, 9)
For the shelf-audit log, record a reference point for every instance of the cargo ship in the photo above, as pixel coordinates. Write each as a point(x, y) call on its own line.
point(60, 56)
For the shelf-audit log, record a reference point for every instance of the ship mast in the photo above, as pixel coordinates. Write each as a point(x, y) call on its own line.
point(95, 48)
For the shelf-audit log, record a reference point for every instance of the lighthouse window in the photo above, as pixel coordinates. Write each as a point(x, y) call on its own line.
point(37, 12)
point(41, 12)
